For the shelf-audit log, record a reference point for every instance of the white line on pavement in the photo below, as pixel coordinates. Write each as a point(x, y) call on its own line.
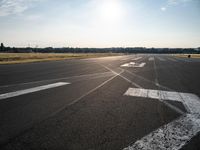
point(56, 79)
point(94, 89)
point(161, 59)
point(31, 90)
point(137, 58)
point(151, 59)
point(172, 59)
point(123, 77)
point(175, 134)
point(192, 101)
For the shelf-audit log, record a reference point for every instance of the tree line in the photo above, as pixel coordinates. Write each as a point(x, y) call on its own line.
point(99, 50)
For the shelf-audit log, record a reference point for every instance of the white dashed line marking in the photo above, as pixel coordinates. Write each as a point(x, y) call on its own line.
point(173, 135)
point(32, 90)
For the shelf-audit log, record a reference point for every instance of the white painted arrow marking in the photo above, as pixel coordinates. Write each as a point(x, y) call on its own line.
point(133, 64)
point(173, 135)
point(141, 65)
point(128, 64)
point(31, 90)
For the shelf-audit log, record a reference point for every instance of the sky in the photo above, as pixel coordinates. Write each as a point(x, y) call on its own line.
point(100, 23)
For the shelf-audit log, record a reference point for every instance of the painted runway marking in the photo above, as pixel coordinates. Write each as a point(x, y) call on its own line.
point(137, 58)
point(55, 80)
point(173, 135)
point(161, 59)
point(172, 59)
point(31, 90)
point(151, 59)
point(133, 64)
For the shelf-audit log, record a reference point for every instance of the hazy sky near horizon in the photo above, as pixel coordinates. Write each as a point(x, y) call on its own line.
point(100, 23)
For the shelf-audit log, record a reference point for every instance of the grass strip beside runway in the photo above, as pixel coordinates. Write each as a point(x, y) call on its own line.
point(186, 55)
point(14, 58)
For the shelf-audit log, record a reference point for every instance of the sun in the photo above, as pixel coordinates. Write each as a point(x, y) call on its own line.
point(110, 10)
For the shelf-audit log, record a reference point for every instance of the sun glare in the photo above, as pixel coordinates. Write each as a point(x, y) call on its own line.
point(111, 10)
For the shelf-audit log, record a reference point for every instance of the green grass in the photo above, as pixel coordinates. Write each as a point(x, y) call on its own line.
point(14, 58)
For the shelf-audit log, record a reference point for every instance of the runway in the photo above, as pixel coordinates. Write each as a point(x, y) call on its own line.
point(143, 101)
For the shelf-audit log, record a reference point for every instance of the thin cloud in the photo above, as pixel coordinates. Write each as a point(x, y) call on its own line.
point(171, 3)
point(176, 2)
point(10, 7)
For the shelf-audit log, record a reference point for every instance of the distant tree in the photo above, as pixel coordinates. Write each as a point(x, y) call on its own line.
point(2, 47)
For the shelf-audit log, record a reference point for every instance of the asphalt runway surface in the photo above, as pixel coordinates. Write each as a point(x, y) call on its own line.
point(111, 103)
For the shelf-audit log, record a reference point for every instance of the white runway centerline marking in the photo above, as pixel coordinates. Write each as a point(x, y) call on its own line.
point(31, 90)
point(175, 134)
